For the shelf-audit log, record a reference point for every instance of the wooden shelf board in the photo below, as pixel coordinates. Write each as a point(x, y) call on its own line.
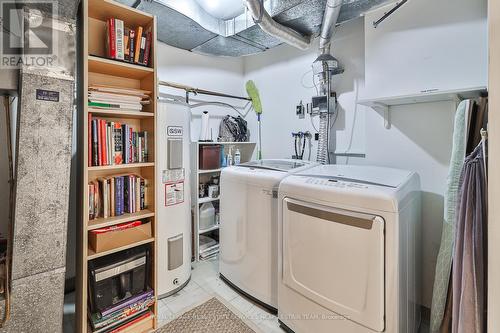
point(121, 166)
point(103, 9)
point(204, 200)
point(145, 325)
point(120, 114)
point(118, 68)
point(92, 255)
point(102, 222)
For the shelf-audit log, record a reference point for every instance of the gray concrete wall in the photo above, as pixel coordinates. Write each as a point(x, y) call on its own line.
point(43, 170)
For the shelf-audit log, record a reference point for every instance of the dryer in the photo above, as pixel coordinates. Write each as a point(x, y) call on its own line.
point(348, 247)
point(249, 226)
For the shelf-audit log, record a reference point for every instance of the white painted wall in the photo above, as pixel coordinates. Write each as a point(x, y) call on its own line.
point(217, 74)
point(419, 139)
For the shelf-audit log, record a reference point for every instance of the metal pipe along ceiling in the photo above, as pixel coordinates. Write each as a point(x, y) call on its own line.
point(332, 11)
point(273, 28)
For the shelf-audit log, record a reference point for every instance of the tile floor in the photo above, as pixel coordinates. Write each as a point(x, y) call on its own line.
point(204, 282)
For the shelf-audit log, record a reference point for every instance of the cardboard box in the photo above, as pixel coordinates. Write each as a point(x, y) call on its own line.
point(114, 239)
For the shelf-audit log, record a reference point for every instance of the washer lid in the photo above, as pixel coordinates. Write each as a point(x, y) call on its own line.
point(277, 165)
point(370, 175)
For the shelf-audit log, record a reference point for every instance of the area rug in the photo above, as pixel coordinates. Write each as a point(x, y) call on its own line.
point(212, 316)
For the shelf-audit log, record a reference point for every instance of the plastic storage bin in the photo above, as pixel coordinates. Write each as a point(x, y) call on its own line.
point(207, 216)
point(209, 156)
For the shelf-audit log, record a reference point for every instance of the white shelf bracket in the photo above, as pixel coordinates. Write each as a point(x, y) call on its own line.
point(383, 108)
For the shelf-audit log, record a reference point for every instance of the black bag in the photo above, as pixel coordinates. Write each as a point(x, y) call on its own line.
point(233, 129)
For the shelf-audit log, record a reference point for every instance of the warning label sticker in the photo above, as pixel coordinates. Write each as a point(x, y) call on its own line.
point(172, 176)
point(174, 193)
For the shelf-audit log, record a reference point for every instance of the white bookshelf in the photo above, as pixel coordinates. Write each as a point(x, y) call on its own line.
point(247, 150)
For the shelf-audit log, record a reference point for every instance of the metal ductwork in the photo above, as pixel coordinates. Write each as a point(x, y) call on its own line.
point(187, 25)
point(330, 17)
point(287, 35)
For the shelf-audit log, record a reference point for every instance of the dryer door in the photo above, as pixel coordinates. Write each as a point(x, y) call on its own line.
point(335, 258)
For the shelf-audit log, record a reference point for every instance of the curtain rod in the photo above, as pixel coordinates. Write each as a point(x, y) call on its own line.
point(197, 91)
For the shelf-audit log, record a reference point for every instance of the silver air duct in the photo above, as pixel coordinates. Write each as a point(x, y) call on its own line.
point(330, 17)
point(273, 28)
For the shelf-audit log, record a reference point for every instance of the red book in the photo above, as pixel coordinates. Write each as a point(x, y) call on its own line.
point(104, 152)
point(148, 47)
point(117, 227)
point(89, 139)
point(99, 142)
point(112, 38)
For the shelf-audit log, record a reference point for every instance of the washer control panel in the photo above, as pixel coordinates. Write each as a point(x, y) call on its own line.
point(334, 183)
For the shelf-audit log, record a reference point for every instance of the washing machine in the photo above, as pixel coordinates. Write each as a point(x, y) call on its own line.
point(173, 211)
point(348, 250)
point(249, 227)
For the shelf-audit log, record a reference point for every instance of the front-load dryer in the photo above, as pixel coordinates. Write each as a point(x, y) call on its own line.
point(249, 226)
point(348, 246)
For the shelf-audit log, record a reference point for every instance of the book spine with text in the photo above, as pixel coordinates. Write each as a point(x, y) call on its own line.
point(112, 37)
point(120, 51)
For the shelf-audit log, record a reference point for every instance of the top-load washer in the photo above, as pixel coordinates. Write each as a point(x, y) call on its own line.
point(348, 242)
point(249, 226)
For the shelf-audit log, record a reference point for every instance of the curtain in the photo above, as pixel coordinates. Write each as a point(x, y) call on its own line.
point(469, 253)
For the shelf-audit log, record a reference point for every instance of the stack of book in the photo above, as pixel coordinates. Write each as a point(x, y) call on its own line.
point(113, 143)
point(117, 195)
point(127, 44)
point(123, 314)
point(116, 98)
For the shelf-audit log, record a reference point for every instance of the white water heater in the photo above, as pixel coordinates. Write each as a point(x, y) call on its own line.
point(173, 190)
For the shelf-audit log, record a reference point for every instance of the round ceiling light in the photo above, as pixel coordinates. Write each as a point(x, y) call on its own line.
point(222, 9)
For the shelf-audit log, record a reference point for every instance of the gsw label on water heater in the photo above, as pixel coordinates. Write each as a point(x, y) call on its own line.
point(174, 131)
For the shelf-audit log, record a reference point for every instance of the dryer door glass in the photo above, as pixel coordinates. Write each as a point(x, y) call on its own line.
point(336, 259)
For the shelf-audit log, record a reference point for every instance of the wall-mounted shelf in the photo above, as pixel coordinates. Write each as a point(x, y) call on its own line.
point(203, 200)
point(382, 104)
point(247, 150)
point(424, 97)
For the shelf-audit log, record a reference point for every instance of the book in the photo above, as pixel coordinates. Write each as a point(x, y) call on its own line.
point(111, 38)
point(118, 227)
point(95, 143)
point(143, 194)
point(99, 141)
point(89, 139)
point(137, 194)
point(126, 44)
point(119, 40)
point(112, 194)
point(143, 47)
point(127, 302)
point(149, 36)
point(104, 153)
point(119, 196)
point(118, 157)
point(132, 42)
point(98, 321)
point(91, 202)
point(138, 36)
